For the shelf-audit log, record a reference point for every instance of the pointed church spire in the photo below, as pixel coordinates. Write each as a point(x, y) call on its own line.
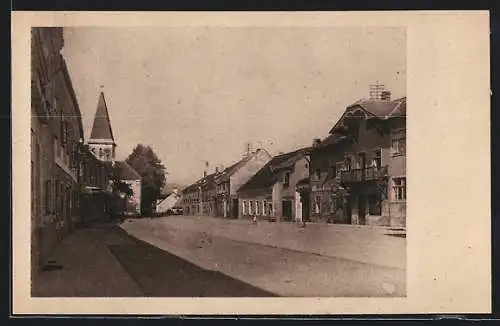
point(101, 130)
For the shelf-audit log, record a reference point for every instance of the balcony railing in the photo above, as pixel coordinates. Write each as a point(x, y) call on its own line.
point(366, 174)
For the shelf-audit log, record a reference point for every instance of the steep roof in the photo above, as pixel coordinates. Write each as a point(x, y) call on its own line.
point(200, 183)
point(400, 109)
point(125, 171)
point(375, 108)
point(101, 128)
point(268, 175)
point(332, 139)
point(229, 171)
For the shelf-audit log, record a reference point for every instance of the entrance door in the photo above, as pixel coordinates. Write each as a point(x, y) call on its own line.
point(235, 208)
point(286, 209)
point(304, 197)
point(362, 209)
point(362, 160)
point(348, 209)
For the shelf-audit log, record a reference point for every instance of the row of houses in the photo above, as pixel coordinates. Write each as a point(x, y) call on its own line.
point(355, 175)
point(71, 180)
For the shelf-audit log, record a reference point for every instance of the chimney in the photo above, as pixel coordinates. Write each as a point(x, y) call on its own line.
point(316, 142)
point(217, 169)
point(385, 96)
point(205, 172)
point(376, 91)
point(248, 150)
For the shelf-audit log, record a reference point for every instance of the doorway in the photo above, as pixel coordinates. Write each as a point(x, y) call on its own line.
point(286, 209)
point(362, 209)
point(235, 208)
point(304, 198)
point(348, 208)
point(362, 160)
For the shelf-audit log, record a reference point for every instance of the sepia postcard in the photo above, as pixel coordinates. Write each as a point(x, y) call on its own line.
point(251, 162)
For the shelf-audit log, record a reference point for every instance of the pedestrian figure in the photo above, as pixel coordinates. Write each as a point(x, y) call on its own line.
point(303, 223)
point(254, 219)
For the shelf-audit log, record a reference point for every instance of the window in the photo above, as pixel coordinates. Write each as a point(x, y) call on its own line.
point(333, 203)
point(375, 204)
point(348, 163)
point(333, 168)
point(263, 208)
point(317, 174)
point(62, 124)
point(317, 204)
point(250, 207)
point(338, 169)
point(243, 207)
point(377, 159)
point(399, 142)
point(57, 197)
point(56, 147)
point(100, 153)
point(48, 197)
point(399, 186)
point(107, 152)
point(257, 208)
point(286, 179)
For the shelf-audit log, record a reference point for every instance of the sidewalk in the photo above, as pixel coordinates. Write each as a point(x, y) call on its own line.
point(89, 269)
point(361, 244)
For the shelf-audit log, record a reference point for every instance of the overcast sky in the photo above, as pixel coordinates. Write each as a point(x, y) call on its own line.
point(198, 94)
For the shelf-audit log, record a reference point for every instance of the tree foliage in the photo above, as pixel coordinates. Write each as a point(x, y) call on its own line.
point(153, 176)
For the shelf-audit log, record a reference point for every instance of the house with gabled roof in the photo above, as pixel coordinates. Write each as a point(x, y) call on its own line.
point(199, 197)
point(358, 172)
point(216, 194)
point(229, 180)
point(272, 192)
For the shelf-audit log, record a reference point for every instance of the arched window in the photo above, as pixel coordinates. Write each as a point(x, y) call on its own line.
point(107, 152)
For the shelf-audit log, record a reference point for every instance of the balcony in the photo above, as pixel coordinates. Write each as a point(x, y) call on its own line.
point(366, 174)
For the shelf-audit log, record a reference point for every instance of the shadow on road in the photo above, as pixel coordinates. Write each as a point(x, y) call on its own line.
point(161, 274)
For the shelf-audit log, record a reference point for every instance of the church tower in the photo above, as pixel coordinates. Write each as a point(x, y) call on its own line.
point(101, 141)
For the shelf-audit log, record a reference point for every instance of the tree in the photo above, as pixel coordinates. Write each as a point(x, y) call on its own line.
point(145, 161)
point(116, 204)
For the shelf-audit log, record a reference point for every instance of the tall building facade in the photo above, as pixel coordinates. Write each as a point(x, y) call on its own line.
point(56, 135)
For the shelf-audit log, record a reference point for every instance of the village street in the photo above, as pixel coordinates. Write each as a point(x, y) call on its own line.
point(282, 258)
point(202, 256)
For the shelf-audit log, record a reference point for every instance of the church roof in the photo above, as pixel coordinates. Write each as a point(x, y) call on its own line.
point(101, 130)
